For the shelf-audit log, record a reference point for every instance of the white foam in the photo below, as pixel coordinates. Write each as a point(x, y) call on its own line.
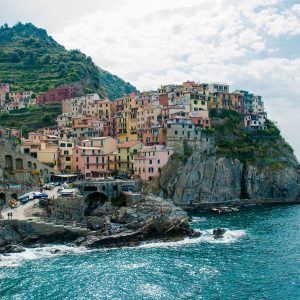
point(198, 219)
point(15, 259)
point(133, 266)
point(152, 290)
point(230, 236)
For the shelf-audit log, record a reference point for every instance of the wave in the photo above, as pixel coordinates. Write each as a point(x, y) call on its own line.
point(198, 219)
point(230, 236)
point(15, 259)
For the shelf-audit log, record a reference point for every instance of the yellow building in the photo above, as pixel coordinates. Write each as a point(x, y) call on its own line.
point(127, 137)
point(126, 151)
point(106, 109)
point(198, 102)
point(48, 154)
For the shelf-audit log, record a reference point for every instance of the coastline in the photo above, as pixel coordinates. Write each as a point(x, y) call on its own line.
point(31, 236)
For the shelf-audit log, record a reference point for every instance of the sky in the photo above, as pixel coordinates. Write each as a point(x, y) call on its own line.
point(252, 45)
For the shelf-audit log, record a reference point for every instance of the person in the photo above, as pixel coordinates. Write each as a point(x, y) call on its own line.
point(74, 223)
point(161, 212)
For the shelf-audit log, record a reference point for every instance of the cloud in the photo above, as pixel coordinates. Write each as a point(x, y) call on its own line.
point(154, 42)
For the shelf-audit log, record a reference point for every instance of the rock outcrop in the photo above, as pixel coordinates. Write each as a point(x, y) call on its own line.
point(108, 225)
point(212, 179)
point(151, 219)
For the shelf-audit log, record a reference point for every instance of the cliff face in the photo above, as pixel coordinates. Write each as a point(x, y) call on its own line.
point(252, 166)
point(213, 179)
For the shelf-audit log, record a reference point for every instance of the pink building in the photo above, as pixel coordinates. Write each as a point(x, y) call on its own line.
point(149, 161)
point(4, 87)
point(56, 95)
point(94, 158)
point(91, 162)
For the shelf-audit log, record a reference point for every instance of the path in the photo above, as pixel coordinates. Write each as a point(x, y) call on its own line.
point(19, 213)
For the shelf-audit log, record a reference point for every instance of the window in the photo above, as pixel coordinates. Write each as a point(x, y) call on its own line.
point(158, 161)
point(69, 145)
point(68, 158)
point(150, 170)
point(63, 145)
point(150, 161)
point(66, 152)
point(76, 158)
point(176, 132)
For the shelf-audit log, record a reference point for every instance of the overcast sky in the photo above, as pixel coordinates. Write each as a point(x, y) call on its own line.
point(252, 45)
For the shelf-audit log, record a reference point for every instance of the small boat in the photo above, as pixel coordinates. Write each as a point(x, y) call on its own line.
point(26, 197)
point(224, 209)
point(235, 209)
point(39, 195)
point(219, 233)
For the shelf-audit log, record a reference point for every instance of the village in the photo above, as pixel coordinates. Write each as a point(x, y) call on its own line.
point(131, 136)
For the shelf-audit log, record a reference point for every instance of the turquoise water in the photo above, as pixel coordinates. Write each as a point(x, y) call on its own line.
point(259, 258)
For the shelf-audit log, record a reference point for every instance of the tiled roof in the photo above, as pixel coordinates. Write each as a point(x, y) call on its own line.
point(128, 144)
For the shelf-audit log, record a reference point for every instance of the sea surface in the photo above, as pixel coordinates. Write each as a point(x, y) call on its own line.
point(258, 258)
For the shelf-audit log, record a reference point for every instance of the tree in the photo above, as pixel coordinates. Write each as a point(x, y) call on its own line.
point(47, 119)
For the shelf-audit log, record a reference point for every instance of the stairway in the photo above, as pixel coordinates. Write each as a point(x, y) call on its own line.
point(47, 227)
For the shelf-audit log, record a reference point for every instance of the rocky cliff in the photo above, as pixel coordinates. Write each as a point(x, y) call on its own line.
point(244, 166)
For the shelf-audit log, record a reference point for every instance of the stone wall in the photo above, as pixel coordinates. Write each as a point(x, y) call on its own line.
point(68, 209)
point(18, 167)
point(182, 146)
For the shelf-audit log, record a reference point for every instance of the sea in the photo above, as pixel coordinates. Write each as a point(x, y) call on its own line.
point(258, 258)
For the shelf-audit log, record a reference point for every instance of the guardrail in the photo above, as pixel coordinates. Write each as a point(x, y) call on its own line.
point(56, 221)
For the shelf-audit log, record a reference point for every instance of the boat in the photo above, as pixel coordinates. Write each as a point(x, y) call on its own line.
point(26, 197)
point(68, 192)
point(38, 195)
point(224, 209)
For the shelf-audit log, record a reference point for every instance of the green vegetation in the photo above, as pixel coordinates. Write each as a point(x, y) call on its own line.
point(30, 118)
point(30, 60)
point(263, 148)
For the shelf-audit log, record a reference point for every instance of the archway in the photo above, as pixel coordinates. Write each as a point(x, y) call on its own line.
point(2, 199)
point(91, 188)
point(14, 196)
point(92, 201)
point(9, 162)
point(19, 164)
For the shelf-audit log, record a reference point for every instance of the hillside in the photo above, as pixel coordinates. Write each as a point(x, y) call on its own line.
point(30, 59)
point(31, 118)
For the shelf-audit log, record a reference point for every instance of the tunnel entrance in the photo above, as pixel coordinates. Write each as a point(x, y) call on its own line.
point(19, 164)
point(93, 201)
point(9, 162)
point(2, 199)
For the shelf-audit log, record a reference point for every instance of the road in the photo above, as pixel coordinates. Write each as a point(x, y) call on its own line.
point(22, 212)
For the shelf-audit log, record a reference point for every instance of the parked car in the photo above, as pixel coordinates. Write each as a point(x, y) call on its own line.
point(122, 177)
point(48, 186)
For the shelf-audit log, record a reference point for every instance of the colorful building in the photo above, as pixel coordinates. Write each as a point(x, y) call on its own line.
point(150, 160)
point(126, 150)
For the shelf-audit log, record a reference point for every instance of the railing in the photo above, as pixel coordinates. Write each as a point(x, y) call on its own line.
point(56, 221)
